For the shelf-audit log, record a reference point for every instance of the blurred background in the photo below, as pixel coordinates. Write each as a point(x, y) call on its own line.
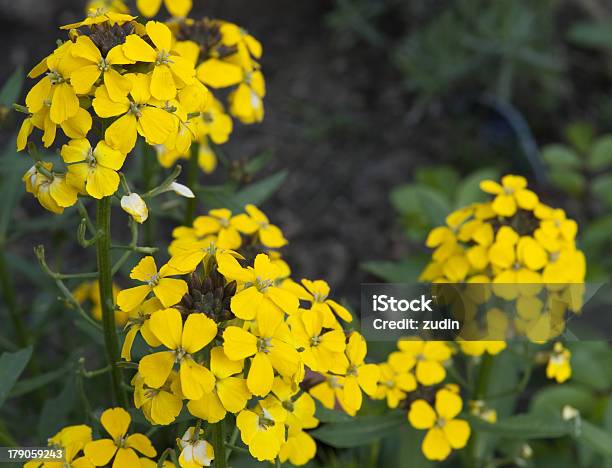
point(386, 113)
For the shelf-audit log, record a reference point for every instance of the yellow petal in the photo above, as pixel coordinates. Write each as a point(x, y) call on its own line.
point(78, 125)
point(121, 134)
point(448, 404)
point(246, 303)
point(126, 458)
point(83, 78)
point(118, 86)
point(129, 299)
point(238, 343)
point(179, 8)
point(148, 8)
point(261, 375)
point(141, 443)
point(421, 415)
point(435, 446)
point(116, 422)
point(163, 86)
point(198, 331)
point(100, 451)
point(457, 432)
point(102, 182)
point(155, 125)
point(195, 379)
point(135, 48)
point(208, 408)
point(155, 368)
point(170, 291)
point(64, 103)
point(219, 74)
point(160, 35)
point(233, 393)
point(167, 326)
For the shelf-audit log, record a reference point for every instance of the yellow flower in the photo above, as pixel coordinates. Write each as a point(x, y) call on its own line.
point(116, 422)
point(359, 375)
point(263, 430)
point(229, 394)
point(183, 340)
point(317, 292)
point(138, 321)
point(320, 349)
point(55, 87)
point(478, 348)
point(300, 411)
point(444, 431)
point(159, 405)
point(395, 380)
point(512, 194)
point(52, 190)
point(219, 222)
point(101, 14)
point(478, 408)
point(247, 47)
point(259, 293)
point(92, 171)
point(299, 448)
point(171, 71)
point(427, 358)
point(177, 8)
point(246, 102)
point(195, 452)
point(329, 391)
point(255, 221)
point(114, 6)
point(270, 345)
point(90, 291)
point(84, 77)
point(138, 116)
point(168, 290)
point(559, 367)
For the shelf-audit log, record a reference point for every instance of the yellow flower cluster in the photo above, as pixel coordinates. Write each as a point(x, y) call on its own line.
point(523, 248)
point(121, 449)
point(231, 335)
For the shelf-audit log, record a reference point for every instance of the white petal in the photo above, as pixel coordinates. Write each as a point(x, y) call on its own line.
point(135, 206)
point(181, 190)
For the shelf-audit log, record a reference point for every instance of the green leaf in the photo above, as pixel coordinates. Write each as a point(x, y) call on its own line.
point(571, 182)
point(404, 271)
point(259, 192)
point(11, 89)
point(11, 189)
point(525, 426)
point(593, 35)
point(403, 449)
point(29, 385)
point(412, 199)
point(596, 438)
point(55, 411)
point(596, 235)
point(551, 400)
point(258, 162)
point(469, 189)
point(591, 364)
point(11, 367)
point(443, 179)
point(561, 157)
point(601, 154)
point(359, 431)
point(580, 135)
point(326, 415)
point(602, 189)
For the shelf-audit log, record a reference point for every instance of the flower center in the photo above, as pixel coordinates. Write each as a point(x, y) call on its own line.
point(263, 284)
point(103, 66)
point(441, 422)
point(352, 370)
point(135, 109)
point(264, 345)
point(55, 77)
point(288, 405)
point(163, 58)
point(318, 297)
point(315, 341)
point(180, 354)
point(153, 280)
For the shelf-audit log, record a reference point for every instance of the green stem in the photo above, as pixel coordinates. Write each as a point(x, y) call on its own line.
point(480, 393)
point(192, 179)
point(105, 280)
point(148, 180)
point(218, 440)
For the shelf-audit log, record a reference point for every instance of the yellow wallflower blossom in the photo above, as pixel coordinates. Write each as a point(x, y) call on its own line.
point(246, 101)
point(121, 446)
point(92, 171)
point(427, 358)
point(317, 292)
point(230, 392)
point(559, 367)
point(220, 223)
point(329, 391)
point(159, 405)
point(51, 189)
point(510, 195)
point(169, 69)
point(138, 115)
point(183, 340)
point(99, 15)
point(259, 293)
point(168, 290)
point(263, 430)
point(300, 411)
point(270, 345)
point(114, 6)
point(257, 222)
point(299, 448)
point(395, 381)
point(444, 431)
point(84, 77)
point(320, 349)
point(138, 321)
point(195, 452)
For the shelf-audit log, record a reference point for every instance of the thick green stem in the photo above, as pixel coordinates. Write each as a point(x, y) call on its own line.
point(105, 281)
point(192, 179)
point(218, 440)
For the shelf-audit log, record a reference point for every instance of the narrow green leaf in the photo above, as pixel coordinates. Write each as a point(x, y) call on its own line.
point(330, 416)
point(596, 438)
point(11, 367)
point(594, 35)
point(561, 156)
point(29, 385)
point(55, 411)
point(11, 89)
point(525, 426)
point(260, 191)
point(359, 431)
